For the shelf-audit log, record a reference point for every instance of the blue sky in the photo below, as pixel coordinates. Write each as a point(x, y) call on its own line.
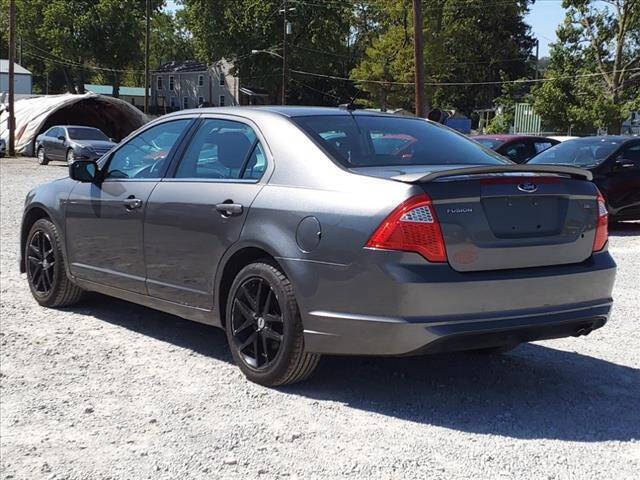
point(544, 17)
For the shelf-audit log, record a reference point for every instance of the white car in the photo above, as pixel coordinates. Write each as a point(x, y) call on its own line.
point(563, 138)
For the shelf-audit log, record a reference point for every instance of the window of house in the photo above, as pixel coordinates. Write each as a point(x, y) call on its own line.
point(171, 85)
point(172, 102)
point(200, 80)
point(159, 83)
point(222, 79)
point(223, 149)
point(200, 100)
point(185, 102)
point(221, 102)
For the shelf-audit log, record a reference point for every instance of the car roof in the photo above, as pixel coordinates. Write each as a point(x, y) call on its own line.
point(285, 110)
point(610, 138)
point(504, 137)
point(75, 126)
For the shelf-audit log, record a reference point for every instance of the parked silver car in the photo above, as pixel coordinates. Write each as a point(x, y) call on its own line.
point(70, 143)
point(309, 231)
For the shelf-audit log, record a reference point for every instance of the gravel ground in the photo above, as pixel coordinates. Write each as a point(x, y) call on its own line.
point(108, 389)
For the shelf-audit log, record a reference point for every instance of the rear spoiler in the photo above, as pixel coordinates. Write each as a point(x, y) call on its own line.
point(423, 177)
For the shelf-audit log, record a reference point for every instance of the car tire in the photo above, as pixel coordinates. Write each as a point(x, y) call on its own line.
point(261, 306)
point(44, 264)
point(69, 156)
point(42, 157)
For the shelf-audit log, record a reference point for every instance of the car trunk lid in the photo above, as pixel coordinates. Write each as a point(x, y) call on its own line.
point(511, 216)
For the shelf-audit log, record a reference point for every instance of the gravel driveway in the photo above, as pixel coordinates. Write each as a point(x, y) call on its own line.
point(108, 389)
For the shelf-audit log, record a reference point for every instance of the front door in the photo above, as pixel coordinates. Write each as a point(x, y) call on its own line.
point(197, 212)
point(619, 180)
point(104, 221)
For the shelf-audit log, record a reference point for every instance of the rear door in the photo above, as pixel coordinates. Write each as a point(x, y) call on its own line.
point(198, 212)
point(506, 221)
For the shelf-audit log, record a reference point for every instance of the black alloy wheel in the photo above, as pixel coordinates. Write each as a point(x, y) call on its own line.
point(41, 263)
point(256, 323)
point(45, 267)
point(264, 327)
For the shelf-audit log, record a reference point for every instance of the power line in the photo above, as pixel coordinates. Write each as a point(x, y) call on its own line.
point(71, 63)
point(462, 84)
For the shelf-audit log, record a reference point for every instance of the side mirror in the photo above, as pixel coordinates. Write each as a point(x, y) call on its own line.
point(113, 140)
point(61, 137)
point(84, 171)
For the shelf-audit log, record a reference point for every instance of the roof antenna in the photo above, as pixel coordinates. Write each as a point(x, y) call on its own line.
point(351, 104)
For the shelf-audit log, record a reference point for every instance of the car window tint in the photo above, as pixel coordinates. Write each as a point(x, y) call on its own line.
point(145, 155)
point(257, 164)
point(218, 150)
point(542, 146)
point(55, 132)
point(518, 152)
point(372, 140)
point(632, 154)
point(582, 152)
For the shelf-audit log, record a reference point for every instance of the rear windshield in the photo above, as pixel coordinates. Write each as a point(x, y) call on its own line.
point(371, 141)
point(86, 134)
point(581, 152)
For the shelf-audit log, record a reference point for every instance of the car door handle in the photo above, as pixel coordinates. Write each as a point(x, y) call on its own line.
point(229, 209)
point(132, 203)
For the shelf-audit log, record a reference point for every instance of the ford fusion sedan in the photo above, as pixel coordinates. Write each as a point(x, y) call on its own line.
point(311, 231)
point(517, 148)
point(70, 143)
point(615, 164)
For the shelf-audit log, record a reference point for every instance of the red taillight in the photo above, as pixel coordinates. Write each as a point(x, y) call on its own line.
point(602, 225)
point(412, 227)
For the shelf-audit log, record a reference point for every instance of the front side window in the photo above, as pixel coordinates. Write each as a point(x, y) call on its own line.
point(54, 132)
point(369, 141)
point(517, 152)
point(222, 149)
point(542, 146)
point(145, 155)
point(581, 152)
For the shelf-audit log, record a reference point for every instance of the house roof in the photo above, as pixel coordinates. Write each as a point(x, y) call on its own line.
point(181, 67)
point(18, 69)
point(108, 90)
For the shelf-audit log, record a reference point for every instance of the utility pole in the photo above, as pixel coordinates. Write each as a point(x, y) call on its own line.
point(284, 54)
point(537, 58)
point(418, 53)
point(12, 58)
point(146, 56)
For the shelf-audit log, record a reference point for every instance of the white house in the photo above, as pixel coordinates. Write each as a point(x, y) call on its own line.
point(22, 80)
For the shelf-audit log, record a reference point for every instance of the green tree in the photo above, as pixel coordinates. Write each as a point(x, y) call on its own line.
point(322, 41)
point(464, 42)
point(600, 39)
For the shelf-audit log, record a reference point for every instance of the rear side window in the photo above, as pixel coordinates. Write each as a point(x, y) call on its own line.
point(223, 149)
point(518, 152)
point(542, 146)
point(369, 141)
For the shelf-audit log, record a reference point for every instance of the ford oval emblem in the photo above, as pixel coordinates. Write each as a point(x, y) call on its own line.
point(528, 187)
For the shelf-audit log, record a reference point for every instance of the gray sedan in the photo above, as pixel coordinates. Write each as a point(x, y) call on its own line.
point(70, 143)
point(310, 231)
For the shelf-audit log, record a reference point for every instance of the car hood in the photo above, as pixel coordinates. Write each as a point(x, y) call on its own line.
point(101, 144)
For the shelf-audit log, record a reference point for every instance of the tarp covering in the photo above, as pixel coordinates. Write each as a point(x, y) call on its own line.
point(115, 117)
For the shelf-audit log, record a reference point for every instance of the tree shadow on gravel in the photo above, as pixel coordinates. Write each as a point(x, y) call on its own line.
point(533, 392)
point(624, 229)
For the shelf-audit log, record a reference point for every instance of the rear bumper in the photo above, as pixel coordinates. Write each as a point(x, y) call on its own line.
point(376, 336)
point(397, 304)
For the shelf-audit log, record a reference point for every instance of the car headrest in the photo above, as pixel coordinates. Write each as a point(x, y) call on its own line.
point(232, 148)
